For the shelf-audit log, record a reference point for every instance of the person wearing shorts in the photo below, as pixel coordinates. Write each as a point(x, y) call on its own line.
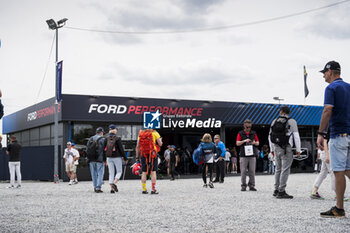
point(70, 156)
point(146, 166)
point(336, 115)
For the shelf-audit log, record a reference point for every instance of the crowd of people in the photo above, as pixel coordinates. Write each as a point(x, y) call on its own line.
point(333, 140)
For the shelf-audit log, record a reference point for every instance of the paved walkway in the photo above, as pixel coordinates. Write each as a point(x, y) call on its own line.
point(181, 206)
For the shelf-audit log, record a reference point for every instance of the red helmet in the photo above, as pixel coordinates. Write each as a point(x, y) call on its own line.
point(136, 168)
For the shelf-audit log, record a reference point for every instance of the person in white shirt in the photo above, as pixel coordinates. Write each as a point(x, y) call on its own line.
point(167, 158)
point(71, 157)
point(325, 170)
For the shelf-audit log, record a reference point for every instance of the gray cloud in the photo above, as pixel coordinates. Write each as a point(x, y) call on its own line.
point(155, 16)
point(146, 21)
point(204, 74)
point(333, 24)
point(161, 15)
point(198, 6)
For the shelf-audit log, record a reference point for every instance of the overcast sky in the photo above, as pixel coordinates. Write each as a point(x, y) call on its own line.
point(249, 64)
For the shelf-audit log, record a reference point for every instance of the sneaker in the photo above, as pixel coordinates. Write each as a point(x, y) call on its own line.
point(18, 186)
point(144, 192)
point(98, 191)
point(10, 187)
point(205, 186)
point(215, 181)
point(172, 179)
point(154, 192)
point(112, 191)
point(334, 212)
point(243, 188)
point(275, 193)
point(75, 182)
point(70, 182)
point(211, 185)
point(284, 195)
point(115, 187)
point(316, 196)
point(252, 189)
point(221, 181)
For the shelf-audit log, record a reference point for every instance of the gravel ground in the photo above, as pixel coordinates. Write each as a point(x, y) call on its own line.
point(182, 206)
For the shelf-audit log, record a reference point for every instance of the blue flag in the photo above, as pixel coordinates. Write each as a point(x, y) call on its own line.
point(59, 81)
point(306, 90)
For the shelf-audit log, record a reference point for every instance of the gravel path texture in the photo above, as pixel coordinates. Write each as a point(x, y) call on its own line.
point(182, 205)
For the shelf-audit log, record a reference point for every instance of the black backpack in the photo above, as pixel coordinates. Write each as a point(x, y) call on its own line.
point(92, 149)
point(110, 145)
point(279, 132)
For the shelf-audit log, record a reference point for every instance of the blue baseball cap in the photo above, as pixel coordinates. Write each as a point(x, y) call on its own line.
point(112, 126)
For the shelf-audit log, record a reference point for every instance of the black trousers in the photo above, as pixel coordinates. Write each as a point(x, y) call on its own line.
point(173, 170)
point(220, 170)
point(204, 172)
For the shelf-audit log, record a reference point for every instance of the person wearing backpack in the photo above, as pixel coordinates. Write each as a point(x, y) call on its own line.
point(283, 133)
point(96, 158)
point(148, 145)
point(114, 152)
point(247, 140)
point(208, 150)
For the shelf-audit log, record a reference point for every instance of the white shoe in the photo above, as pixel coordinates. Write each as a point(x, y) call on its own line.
point(18, 186)
point(10, 187)
point(70, 182)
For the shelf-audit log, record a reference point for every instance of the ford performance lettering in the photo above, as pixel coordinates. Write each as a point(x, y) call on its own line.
point(109, 109)
point(140, 109)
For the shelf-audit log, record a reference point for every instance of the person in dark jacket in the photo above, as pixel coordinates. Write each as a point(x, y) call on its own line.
point(114, 152)
point(97, 168)
point(14, 150)
point(174, 161)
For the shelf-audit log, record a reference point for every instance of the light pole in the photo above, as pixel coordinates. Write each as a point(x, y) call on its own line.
point(278, 99)
point(55, 26)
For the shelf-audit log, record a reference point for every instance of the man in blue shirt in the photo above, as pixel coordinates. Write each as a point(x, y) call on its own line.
point(336, 114)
